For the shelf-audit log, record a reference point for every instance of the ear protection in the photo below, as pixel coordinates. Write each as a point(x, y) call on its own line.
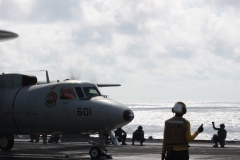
point(179, 108)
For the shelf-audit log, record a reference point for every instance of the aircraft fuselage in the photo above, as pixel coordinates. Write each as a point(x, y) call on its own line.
point(42, 109)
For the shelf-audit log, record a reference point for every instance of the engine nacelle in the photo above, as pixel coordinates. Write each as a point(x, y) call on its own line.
point(15, 80)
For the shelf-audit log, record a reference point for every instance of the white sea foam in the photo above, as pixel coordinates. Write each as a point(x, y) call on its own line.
point(152, 115)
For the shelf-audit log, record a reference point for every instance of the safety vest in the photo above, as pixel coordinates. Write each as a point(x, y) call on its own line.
point(175, 132)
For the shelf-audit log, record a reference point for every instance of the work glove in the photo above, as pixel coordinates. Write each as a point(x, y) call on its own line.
point(200, 129)
point(163, 156)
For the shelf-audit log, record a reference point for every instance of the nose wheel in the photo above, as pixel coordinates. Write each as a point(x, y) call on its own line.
point(95, 152)
point(99, 151)
point(6, 143)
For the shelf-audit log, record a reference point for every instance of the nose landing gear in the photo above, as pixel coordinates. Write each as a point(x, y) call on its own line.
point(97, 152)
point(100, 150)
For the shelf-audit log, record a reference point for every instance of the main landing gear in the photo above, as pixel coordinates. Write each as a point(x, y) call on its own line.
point(99, 150)
point(6, 142)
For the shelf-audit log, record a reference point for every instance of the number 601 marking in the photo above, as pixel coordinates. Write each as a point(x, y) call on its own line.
point(84, 111)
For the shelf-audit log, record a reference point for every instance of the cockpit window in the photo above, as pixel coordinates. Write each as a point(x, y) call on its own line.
point(67, 93)
point(79, 92)
point(91, 91)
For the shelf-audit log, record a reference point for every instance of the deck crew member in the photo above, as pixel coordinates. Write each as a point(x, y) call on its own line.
point(220, 136)
point(177, 135)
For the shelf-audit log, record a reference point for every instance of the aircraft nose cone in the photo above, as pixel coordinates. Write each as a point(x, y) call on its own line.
point(128, 115)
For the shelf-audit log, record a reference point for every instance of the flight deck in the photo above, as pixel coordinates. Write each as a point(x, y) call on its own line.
point(24, 150)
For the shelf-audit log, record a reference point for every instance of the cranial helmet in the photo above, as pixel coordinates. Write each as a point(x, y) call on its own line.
point(179, 108)
point(222, 126)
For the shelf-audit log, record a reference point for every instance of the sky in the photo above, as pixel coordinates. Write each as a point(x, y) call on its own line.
point(157, 50)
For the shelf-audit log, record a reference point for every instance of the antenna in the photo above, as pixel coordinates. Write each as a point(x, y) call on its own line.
point(47, 77)
point(48, 81)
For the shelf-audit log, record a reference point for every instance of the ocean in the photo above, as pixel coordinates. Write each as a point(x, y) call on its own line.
point(152, 115)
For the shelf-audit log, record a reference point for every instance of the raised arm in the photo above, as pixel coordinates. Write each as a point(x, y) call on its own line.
point(214, 126)
point(190, 137)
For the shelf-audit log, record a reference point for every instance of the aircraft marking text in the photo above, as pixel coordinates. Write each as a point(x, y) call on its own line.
point(84, 111)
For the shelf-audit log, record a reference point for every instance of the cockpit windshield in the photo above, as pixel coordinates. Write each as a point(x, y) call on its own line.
point(67, 93)
point(91, 91)
point(79, 92)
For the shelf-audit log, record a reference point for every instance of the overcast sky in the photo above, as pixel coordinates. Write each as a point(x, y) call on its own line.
point(157, 50)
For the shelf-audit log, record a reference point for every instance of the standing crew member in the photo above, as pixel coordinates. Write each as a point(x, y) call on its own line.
point(177, 135)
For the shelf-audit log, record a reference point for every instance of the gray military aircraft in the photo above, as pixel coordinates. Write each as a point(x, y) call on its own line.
point(68, 107)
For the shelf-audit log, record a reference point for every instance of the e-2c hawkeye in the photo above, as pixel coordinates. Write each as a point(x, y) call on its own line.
point(68, 107)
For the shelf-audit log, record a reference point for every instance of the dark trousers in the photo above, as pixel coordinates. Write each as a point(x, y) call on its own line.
point(220, 140)
point(177, 155)
point(122, 138)
point(141, 140)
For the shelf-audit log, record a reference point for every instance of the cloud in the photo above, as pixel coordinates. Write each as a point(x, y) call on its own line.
point(157, 46)
point(37, 11)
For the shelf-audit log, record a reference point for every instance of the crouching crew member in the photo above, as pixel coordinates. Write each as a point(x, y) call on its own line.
point(138, 135)
point(177, 135)
point(121, 135)
point(220, 136)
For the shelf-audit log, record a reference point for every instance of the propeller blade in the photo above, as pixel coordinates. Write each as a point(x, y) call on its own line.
point(73, 75)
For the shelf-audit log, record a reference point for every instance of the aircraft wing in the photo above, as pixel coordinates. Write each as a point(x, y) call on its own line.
point(108, 85)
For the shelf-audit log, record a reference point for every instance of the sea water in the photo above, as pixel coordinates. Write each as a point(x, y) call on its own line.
point(152, 115)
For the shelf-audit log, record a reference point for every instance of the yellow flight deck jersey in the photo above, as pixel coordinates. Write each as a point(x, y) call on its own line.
point(177, 134)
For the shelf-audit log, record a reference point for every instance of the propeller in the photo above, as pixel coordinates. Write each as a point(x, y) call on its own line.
point(73, 76)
